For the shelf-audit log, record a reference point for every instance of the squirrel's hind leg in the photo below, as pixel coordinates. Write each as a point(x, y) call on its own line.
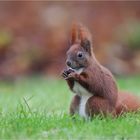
point(74, 106)
point(99, 106)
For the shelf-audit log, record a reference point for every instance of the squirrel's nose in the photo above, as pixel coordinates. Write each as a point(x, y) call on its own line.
point(68, 63)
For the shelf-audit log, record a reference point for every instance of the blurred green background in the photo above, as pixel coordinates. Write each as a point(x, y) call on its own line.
point(34, 35)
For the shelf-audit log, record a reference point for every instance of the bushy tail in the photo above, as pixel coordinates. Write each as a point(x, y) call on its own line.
point(127, 102)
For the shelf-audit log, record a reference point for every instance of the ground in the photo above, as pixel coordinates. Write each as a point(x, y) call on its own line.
point(37, 108)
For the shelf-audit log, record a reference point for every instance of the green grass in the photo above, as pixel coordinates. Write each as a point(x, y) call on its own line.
point(37, 108)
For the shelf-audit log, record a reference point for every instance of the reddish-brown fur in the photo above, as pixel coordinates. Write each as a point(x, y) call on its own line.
point(74, 106)
point(127, 103)
point(97, 80)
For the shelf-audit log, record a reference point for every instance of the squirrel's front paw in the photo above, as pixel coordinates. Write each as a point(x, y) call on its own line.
point(65, 74)
point(73, 75)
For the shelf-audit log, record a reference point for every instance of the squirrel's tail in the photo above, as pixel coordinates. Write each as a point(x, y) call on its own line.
point(127, 102)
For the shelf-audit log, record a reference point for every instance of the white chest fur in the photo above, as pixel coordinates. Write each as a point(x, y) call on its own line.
point(85, 95)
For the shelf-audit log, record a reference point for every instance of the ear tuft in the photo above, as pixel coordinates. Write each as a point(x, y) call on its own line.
point(84, 33)
point(85, 38)
point(80, 34)
point(74, 34)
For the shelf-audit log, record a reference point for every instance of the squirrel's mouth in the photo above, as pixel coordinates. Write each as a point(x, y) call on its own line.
point(76, 68)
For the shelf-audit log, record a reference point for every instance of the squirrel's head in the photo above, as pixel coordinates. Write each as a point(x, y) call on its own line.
point(80, 52)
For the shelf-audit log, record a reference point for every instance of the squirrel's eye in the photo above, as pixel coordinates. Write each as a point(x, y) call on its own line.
point(80, 54)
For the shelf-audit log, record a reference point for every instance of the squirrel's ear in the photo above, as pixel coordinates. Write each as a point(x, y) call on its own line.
point(86, 45)
point(85, 38)
point(74, 34)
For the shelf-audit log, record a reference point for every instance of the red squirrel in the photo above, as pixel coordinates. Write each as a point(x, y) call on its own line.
point(94, 86)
